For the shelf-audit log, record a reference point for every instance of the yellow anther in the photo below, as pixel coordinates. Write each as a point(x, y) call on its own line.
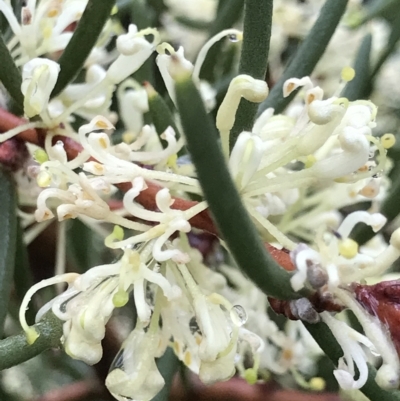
point(177, 348)
point(198, 339)
point(239, 36)
point(40, 156)
point(47, 31)
point(250, 375)
point(310, 161)
point(103, 143)
point(171, 162)
point(31, 335)
point(187, 359)
point(43, 179)
point(128, 137)
point(348, 248)
point(310, 98)
point(290, 87)
point(118, 233)
point(120, 298)
point(317, 384)
point(363, 168)
point(369, 191)
point(98, 167)
point(101, 124)
point(348, 74)
point(388, 140)
point(52, 13)
point(114, 10)
point(287, 354)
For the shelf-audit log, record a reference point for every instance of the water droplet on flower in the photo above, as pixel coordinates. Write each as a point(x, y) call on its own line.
point(193, 325)
point(233, 37)
point(238, 315)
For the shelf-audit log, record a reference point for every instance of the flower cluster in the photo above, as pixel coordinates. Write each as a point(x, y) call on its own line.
point(295, 172)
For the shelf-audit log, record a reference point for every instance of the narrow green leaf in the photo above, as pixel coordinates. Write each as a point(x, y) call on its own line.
point(380, 8)
point(10, 77)
point(15, 350)
point(86, 247)
point(142, 15)
point(360, 87)
point(325, 339)
point(23, 279)
point(159, 8)
point(223, 198)
point(82, 42)
point(390, 46)
point(198, 25)
point(308, 54)
point(253, 59)
point(161, 115)
point(227, 16)
point(8, 232)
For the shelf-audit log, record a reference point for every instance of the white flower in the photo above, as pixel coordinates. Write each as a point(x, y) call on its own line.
point(134, 374)
point(43, 27)
point(349, 340)
point(134, 50)
point(39, 77)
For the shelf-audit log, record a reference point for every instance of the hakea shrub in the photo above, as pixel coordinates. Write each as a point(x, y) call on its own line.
point(295, 173)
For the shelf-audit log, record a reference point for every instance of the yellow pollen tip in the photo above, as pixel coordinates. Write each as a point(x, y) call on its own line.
point(120, 298)
point(310, 161)
point(128, 137)
point(317, 384)
point(310, 98)
point(187, 359)
point(348, 248)
point(369, 191)
point(290, 87)
point(99, 168)
point(388, 140)
point(43, 179)
point(103, 143)
point(31, 335)
point(363, 169)
point(118, 233)
point(40, 156)
point(47, 31)
point(101, 124)
point(239, 36)
point(171, 162)
point(52, 13)
point(250, 375)
point(114, 10)
point(287, 354)
point(176, 347)
point(348, 74)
